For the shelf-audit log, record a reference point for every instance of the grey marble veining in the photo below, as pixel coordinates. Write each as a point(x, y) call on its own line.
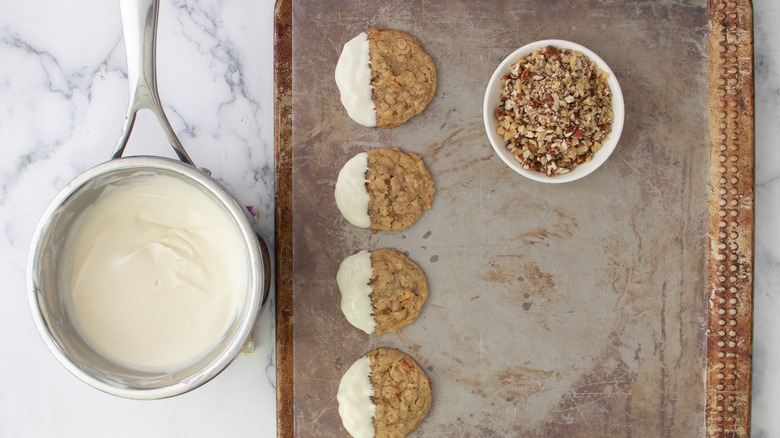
point(63, 93)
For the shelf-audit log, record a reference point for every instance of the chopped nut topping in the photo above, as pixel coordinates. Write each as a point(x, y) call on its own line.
point(555, 110)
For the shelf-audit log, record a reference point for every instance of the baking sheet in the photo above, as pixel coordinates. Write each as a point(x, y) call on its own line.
point(582, 309)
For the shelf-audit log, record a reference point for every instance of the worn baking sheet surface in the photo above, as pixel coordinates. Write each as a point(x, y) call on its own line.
point(555, 310)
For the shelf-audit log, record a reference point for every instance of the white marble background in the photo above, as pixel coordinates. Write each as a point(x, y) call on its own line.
point(63, 94)
point(62, 100)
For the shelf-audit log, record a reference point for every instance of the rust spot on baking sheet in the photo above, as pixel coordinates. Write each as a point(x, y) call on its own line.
point(440, 152)
point(599, 400)
point(538, 279)
point(507, 273)
point(539, 234)
point(410, 346)
point(438, 147)
point(516, 382)
point(558, 226)
point(496, 274)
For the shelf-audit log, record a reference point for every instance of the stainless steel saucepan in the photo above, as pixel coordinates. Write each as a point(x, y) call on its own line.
point(46, 295)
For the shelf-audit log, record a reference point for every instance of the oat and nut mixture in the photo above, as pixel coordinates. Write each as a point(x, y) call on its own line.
point(555, 110)
point(399, 187)
point(402, 393)
point(399, 289)
point(403, 76)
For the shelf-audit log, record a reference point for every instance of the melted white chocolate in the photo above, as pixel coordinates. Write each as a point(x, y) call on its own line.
point(351, 193)
point(356, 409)
point(353, 78)
point(157, 270)
point(353, 279)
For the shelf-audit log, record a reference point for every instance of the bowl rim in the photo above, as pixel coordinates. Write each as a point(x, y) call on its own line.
point(257, 280)
point(499, 145)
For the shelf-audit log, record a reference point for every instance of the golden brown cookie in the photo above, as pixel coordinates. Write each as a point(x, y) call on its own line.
point(398, 290)
point(399, 188)
point(402, 393)
point(403, 76)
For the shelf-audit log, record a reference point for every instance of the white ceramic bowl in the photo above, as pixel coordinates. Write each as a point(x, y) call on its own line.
point(493, 94)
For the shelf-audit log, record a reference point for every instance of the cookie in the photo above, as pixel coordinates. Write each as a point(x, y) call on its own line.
point(384, 77)
point(381, 291)
point(384, 189)
point(384, 394)
point(399, 189)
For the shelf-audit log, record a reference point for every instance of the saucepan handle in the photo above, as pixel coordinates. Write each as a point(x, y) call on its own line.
point(139, 25)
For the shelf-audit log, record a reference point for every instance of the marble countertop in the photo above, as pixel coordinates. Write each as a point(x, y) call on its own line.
point(63, 93)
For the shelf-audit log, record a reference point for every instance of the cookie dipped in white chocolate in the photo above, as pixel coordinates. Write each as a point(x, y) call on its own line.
point(356, 409)
point(353, 279)
point(353, 78)
point(351, 193)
